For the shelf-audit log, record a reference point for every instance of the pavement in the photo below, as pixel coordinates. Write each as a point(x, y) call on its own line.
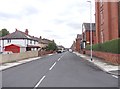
point(105, 66)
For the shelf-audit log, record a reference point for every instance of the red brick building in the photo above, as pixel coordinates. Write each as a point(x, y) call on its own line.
point(78, 42)
point(107, 18)
point(73, 47)
point(107, 21)
point(86, 33)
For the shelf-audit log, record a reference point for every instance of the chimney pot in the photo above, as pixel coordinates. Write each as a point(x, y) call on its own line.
point(26, 31)
point(40, 37)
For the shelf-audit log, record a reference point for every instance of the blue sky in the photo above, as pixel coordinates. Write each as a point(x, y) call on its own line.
point(60, 20)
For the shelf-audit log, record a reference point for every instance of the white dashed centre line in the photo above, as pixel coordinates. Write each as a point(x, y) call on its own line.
point(39, 82)
point(52, 66)
point(59, 59)
point(45, 76)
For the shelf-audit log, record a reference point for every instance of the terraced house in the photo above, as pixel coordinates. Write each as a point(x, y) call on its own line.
point(86, 31)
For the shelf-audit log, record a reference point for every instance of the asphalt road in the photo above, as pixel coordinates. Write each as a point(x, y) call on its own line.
point(58, 70)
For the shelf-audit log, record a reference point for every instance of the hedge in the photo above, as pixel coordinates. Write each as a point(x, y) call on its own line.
point(112, 46)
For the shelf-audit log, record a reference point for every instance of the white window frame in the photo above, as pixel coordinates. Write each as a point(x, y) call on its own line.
point(9, 41)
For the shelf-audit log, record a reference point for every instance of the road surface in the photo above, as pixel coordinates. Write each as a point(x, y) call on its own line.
point(58, 70)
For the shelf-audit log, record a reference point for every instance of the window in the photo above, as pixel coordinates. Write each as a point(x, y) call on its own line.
point(101, 17)
point(34, 42)
point(8, 41)
point(30, 41)
point(84, 37)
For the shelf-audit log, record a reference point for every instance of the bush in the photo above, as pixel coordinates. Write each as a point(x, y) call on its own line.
point(112, 46)
point(51, 46)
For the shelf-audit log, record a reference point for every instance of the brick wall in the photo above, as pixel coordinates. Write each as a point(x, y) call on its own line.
point(88, 37)
point(17, 56)
point(108, 57)
point(41, 53)
point(119, 18)
point(78, 45)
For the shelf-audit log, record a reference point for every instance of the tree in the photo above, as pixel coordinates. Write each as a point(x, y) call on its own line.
point(51, 46)
point(4, 32)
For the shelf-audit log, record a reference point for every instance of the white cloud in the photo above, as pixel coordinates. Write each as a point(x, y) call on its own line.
point(53, 19)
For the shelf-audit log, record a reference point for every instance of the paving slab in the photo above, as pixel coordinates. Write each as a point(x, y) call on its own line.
point(105, 66)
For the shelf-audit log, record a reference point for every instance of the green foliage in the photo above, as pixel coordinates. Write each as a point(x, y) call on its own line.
point(4, 32)
point(51, 46)
point(112, 46)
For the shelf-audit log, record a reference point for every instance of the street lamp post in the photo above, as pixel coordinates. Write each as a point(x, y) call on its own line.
point(90, 27)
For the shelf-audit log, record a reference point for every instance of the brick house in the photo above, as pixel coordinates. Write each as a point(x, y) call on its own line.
point(107, 16)
point(86, 34)
point(78, 42)
point(43, 42)
point(73, 47)
point(18, 41)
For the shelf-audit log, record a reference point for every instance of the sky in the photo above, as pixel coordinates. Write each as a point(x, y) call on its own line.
point(60, 20)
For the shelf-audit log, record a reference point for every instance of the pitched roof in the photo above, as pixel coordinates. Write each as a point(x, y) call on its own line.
point(79, 36)
point(19, 35)
point(87, 26)
point(33, 46)
point(45, 41)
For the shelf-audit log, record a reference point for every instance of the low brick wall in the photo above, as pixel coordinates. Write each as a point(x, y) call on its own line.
point(17, 56)
point(108, 57)
point(41, 53)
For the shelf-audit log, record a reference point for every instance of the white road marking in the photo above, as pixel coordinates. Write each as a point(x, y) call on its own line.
point(59, 59)
point(52, 66)
point(39, 82)
point(115, 76)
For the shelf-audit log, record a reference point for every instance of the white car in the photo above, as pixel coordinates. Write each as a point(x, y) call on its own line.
point(70, 50)
point(59, 51)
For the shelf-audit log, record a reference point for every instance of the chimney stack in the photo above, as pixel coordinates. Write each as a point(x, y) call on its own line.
point(15, 29)
point(26, 31)
point(40, 37)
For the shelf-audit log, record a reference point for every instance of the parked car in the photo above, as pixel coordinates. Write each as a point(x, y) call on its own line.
point(1, 52)
point(59, 51)
point(70, 50)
